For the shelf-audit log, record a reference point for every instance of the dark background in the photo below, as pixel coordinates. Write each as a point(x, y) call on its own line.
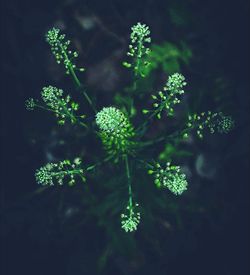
point(218, 33)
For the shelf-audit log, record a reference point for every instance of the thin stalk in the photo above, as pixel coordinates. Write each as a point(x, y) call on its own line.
point(82, 124)
point(88, 99)
point(154, 113)
point(76, 79)
point(69, 115)
point(136, 74)
point(148, 165)
point(138, 59)
point(44, 108)
point(91, 167)
point(142, 126)
point(129, 183)
point(174, 136)
point(68, 172)
point(151, 142)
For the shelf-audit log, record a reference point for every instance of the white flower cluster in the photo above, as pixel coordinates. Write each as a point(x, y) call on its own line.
point(63, 107)
point(170, 96)
point(211, 121)
point(52, 96)
point(131, 219)
point(116, 132)
point(111, 119)
point(138, 49)
point(225, 124)
point(139, 36)
point(51, 172)
point(171, 177)
point(175, 83)
point(30, 104)
point(59, 47)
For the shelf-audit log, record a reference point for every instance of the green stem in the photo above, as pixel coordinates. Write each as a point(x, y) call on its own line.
point(136, 65)
point(89, 168)
point(71, 116)
point(44, 108)
point(80, 87)
point(129, 183)
point(175, 135)
point(147, 165)
point(76, 79)
point(82, 124)
point(151, 142)
point(154, 113)
point(138, 59)
point(142, 126)
point(68, 172)
point(88, 99)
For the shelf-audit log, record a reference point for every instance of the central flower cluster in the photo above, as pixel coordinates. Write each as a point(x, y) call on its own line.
point(110, 119)
point(116, 131)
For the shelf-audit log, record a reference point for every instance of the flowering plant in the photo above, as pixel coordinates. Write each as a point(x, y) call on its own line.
point(123, 140)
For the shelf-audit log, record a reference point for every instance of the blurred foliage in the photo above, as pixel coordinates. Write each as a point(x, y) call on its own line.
point(170, 151)
point(168, 57)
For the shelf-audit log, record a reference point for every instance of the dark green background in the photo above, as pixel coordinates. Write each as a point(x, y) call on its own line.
point(34, 239)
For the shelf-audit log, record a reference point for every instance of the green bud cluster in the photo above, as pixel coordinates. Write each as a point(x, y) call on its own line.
point(213, 122)
point(171, 177)
point(116, 131)
point(138, 49)
point(131, 218)
point(63, 107)
point(175, 84)
point(225, 124)
point(170, 96)
point(59, 172)
point(60, 48)
point(30, 104)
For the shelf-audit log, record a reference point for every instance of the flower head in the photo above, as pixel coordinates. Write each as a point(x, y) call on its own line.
point(44, 175)
point(169, 96)
point(175, 83)
point(116, 131)
point(225, 124)
point(131, 218)
point(111, 119)
point(30, 104)
point(53, 37)
point(51, 172)
point(61, 105)
point(140, 34)
point(171, 177)
point(137, 49)
point(51, 96)
point(213, 122)
point(60, 48)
